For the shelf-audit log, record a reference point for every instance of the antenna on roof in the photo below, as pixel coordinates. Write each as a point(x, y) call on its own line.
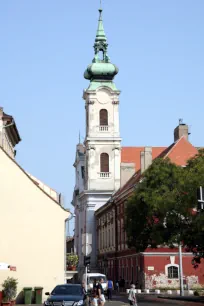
point(180, 121)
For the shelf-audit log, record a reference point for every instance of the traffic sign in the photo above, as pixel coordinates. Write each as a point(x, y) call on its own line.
point(86, 249)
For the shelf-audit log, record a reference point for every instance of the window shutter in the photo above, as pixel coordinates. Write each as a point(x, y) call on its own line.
point(103, 117)
point(104, 162)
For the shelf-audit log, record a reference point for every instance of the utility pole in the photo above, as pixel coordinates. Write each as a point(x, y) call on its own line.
point(200, 194)
point(181, 270)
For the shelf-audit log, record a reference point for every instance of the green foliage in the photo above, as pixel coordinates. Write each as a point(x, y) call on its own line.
point(160, 210)
point(9, 287)
point(72, 259)
point(196, 293)
point(194, 235)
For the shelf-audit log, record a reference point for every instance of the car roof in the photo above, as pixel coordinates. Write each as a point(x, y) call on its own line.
point(95, 274)
point(76, 285)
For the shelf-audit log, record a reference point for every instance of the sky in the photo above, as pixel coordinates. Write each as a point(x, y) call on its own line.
point(46, 46)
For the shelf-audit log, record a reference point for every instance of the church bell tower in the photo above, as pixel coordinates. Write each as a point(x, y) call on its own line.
point(102, 119)
point(102, 145)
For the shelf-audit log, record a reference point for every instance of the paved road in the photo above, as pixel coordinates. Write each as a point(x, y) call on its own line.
point(150, 301)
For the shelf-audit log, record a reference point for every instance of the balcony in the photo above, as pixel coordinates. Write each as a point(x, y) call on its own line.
point(104, 174)
point(103, 128)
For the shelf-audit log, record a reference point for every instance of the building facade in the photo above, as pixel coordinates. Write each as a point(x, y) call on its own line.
point(154, 268)
point(98, 160)
point(33, 236)
point(106, 175)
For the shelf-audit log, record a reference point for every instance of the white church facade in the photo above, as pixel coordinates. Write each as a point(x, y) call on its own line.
point(98, 160)
point(99, 172)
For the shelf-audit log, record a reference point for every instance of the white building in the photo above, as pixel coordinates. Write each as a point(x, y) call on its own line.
point(98, 160)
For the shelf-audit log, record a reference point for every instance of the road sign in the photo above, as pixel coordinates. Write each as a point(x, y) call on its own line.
point(86, 249)
point(87, 260)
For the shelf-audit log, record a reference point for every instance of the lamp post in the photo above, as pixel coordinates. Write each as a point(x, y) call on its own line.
point(200, 193)
point(181, 270)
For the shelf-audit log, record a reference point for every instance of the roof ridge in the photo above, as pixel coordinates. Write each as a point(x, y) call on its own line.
point(15, 162)
point(175, 144)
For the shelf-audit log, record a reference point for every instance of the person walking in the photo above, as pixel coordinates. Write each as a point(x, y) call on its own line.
point(86, 298)
point(110, 289)
point(95, 294)
point(100, 293)
point(117, 286)
point(132, 296)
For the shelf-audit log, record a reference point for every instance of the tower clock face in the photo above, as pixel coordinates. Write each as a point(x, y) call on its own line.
point(103, 97)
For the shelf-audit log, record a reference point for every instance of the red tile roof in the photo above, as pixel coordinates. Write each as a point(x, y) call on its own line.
point(132, 154)
point(179, 153)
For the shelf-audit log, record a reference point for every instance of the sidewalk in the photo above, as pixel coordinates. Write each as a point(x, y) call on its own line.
point(198, 299)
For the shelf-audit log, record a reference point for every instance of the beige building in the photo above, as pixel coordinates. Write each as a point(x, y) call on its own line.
point(32, 225)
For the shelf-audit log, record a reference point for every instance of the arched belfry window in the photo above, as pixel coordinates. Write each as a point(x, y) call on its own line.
point(104, 159)
point(103, 117)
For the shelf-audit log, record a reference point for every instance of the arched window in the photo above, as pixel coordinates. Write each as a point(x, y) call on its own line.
point(104, 162)
point(103, 117)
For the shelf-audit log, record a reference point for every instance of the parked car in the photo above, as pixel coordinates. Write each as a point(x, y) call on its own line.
point(65, 295)
point(94, 276)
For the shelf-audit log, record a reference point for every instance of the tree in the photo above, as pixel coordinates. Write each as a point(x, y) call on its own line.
point(194, 236)
point(154, 213)
point(161, 210)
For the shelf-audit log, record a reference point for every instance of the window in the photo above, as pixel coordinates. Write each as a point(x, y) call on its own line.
point(172, 272)
point(104, 162)
point(82, 172)
point(103, 117)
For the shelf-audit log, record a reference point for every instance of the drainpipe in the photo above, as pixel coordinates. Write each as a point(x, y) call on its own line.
point(65, 242)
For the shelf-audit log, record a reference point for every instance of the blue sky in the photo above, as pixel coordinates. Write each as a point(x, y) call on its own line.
point(47, 44)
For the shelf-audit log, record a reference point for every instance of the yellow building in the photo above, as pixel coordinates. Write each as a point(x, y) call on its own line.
point(32, 221)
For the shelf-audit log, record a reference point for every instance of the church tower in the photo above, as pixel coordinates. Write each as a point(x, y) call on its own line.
point(102, 146)
point(102, 119)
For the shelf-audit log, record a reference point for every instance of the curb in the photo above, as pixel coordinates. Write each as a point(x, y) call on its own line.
point(182, 298)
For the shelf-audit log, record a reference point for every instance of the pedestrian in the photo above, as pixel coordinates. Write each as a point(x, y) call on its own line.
point(100, 293)
point(117, 286)
point(132, 296)
point(85, 294)
point(95, 294)
point(110, 289)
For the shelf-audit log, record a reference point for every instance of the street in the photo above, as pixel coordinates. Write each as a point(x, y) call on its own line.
point(148, 301)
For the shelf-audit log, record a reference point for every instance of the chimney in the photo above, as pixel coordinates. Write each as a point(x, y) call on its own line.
point(126, 172)
point(146, 158)
point(181, 130)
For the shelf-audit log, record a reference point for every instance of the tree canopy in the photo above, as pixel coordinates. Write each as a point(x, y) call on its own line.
point(161, 210)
